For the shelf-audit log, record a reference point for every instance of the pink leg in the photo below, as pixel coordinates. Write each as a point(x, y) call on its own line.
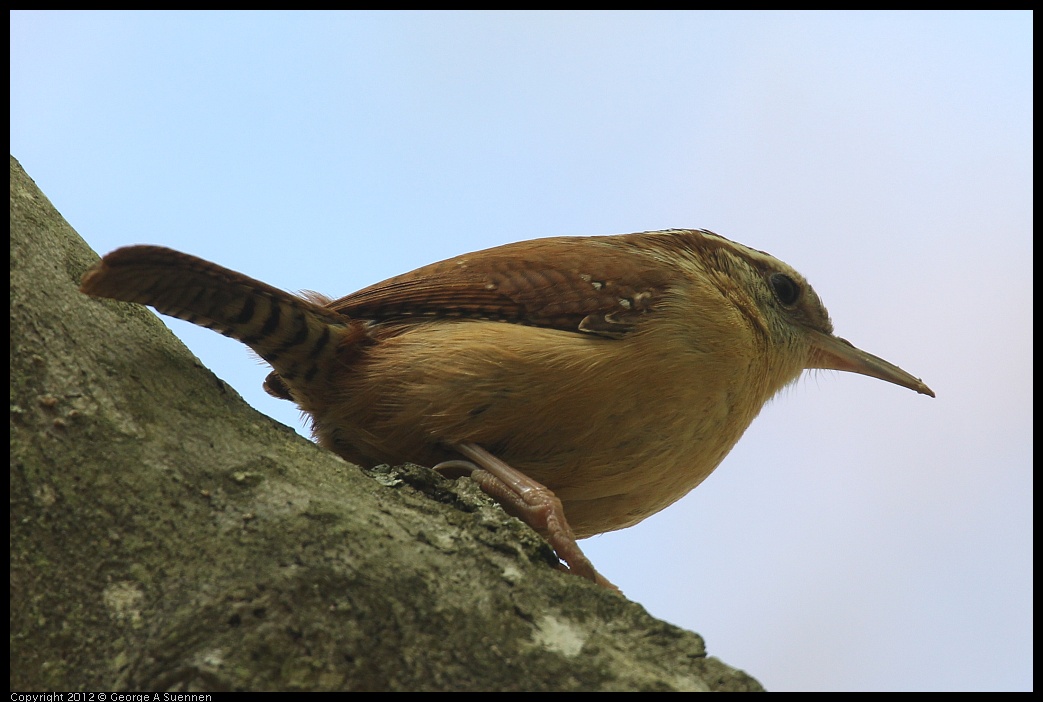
point(529, 501)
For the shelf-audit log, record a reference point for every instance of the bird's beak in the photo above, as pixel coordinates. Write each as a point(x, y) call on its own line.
point(833, 353)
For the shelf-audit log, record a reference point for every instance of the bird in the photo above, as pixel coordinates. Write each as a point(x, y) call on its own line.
point(584, 382)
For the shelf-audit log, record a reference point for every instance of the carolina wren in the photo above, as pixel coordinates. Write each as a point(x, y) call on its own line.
point(600, 378)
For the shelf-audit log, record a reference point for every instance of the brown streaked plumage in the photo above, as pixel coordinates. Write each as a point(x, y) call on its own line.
point(614, 373)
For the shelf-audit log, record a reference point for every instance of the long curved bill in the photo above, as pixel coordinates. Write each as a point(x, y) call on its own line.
point(833, 353)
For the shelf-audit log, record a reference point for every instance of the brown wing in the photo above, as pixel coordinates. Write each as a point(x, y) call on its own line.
point(597, 285)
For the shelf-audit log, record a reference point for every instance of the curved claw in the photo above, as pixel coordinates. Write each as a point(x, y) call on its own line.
point(528, 500)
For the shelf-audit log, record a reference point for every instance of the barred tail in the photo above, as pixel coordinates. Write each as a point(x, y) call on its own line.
point(295, 336)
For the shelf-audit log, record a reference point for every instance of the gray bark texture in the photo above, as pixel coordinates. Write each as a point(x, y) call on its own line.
point(166, 536)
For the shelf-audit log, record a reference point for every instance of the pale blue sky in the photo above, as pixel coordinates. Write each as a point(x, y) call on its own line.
point(860, 537)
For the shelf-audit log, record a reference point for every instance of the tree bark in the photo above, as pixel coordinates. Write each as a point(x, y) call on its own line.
point(166, 536)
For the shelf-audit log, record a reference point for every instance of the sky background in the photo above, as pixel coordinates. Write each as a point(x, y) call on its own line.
point(860, 536)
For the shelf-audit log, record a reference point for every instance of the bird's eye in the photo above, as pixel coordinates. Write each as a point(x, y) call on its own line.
point(787, 290)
